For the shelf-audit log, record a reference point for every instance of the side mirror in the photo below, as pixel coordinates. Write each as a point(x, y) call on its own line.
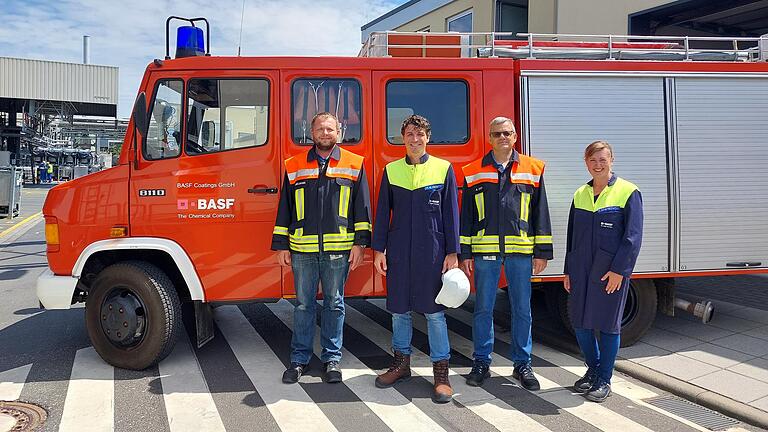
point(140, 119)
point(141, 123)
point(208, 134)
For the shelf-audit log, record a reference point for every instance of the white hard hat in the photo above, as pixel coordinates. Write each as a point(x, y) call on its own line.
point(455, 289)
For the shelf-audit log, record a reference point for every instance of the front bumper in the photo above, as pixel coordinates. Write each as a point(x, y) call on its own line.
point(55, 292)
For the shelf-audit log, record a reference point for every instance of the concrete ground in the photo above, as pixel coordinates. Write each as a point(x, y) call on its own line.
point(722, 365)
point(728, 356)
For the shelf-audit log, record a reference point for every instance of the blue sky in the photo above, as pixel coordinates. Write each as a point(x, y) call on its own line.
point(129, 34)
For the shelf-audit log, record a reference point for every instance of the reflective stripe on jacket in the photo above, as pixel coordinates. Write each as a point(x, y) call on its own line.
point(508, 218)
point(323, 208)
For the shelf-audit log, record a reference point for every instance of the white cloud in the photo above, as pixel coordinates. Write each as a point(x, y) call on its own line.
point(130, 34)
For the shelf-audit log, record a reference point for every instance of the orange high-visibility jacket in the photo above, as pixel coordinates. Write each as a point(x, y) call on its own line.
point(323, 207)
point(505, 212)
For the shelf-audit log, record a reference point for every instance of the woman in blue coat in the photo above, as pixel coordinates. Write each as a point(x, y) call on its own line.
point(605, 229)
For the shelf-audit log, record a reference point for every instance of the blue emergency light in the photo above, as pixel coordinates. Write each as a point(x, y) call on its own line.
point(189, 41)
point(189, 38)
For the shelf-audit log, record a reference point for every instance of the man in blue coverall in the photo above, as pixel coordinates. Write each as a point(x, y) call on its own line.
point(416, 240)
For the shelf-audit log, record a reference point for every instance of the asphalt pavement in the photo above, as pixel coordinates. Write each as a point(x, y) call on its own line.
point(233, 382)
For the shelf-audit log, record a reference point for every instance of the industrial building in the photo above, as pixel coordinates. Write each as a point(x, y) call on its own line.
point(61, 113)
point(737, 18)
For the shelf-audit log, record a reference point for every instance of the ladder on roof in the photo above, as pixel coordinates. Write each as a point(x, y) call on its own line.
point(565, 46)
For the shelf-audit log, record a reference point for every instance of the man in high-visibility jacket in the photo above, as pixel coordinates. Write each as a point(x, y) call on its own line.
point(504, 221)
point(323, 224)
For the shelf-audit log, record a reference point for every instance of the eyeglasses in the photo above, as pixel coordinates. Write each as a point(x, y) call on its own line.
point(500, 133)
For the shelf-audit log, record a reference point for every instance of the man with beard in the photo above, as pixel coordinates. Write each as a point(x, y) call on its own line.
point(323, 224)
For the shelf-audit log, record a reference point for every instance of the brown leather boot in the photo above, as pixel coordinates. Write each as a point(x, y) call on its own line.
point(442, 392)
point(399, 371)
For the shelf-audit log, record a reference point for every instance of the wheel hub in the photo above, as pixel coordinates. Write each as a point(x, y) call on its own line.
point(122, 318)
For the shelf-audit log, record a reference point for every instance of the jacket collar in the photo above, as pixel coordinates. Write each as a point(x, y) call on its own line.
point(335, 154)
point(611, 180)
point(488, 159)
point(422, 160)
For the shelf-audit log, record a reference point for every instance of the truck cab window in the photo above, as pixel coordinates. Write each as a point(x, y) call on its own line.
point(226, 114)
point(164, 133)
point(444, 103)
point(340, 97)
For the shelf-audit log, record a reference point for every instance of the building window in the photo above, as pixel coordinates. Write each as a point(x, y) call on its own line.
point(226, 114)
point(460, 23)
point(443, 103)
point(340, 97)
point(423, 30)
point(164, 133)
point(512, 16)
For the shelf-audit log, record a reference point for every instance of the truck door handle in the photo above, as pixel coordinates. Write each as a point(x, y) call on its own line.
point(263, 190)
point(743, 264)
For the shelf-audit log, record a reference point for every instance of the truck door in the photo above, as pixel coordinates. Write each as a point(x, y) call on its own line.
point(208, 177)
point(346, 94)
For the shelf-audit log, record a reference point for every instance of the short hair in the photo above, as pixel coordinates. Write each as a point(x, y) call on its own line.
point(500, 121)
point(417, 121)
point(323, 114)
point(595, 147)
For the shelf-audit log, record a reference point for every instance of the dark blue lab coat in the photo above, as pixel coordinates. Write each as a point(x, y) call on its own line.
point(603, 235)
point(417, 224)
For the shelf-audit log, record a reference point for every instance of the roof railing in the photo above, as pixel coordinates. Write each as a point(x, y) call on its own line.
point(565, 46)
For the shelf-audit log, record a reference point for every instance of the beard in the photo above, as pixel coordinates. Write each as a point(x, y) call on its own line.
point(324, 143)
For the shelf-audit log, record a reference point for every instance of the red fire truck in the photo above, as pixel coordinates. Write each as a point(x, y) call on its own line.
point(186, 217)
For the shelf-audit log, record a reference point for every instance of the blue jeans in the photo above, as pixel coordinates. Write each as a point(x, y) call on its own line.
point(437, 332)
point(599, 355)
point(330, 270)
point(517, 269)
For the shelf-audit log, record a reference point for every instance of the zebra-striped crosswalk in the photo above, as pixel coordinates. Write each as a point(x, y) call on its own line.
point(90, 401)
point(234, 384)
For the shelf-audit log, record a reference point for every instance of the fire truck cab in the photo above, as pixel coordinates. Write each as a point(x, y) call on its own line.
point(185, 219)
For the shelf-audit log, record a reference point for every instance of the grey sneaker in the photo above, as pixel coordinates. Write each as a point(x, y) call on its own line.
point(583, 384)
point(599, 392)
point(524, 373)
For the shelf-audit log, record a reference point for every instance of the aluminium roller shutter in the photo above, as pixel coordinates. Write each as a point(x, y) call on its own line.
point(563, 114)
point(722, 136)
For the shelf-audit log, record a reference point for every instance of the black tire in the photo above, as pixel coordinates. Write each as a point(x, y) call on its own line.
point(139, 299)
point(639, 311)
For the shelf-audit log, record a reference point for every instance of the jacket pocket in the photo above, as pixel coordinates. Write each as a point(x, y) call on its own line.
point(341, 221)
point(601, 264)
point(393, 241)
point(432, 201)
point(343, 182)
point(295, 225)
point(478, 226)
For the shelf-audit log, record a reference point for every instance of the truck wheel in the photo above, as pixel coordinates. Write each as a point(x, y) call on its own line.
point(133, 315)
point(639, 311)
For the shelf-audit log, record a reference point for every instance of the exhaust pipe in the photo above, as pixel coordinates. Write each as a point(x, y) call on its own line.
point(703, 309)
